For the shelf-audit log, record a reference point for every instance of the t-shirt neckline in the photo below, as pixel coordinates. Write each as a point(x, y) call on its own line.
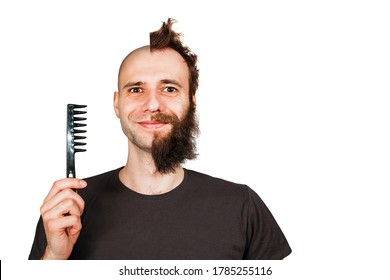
point(175, 191)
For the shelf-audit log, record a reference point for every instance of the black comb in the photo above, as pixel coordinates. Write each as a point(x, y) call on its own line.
point(74, 132)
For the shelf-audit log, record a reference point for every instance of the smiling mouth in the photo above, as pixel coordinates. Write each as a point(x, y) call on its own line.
point(152, 124)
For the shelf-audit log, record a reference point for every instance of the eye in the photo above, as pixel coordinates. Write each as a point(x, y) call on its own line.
point(170, 90)
point(135, 90)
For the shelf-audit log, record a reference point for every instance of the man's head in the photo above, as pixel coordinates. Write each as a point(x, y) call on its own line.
point(156, 99)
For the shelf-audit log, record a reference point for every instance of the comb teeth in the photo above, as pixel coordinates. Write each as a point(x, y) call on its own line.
point(77, 122)
point(78, 131)
point(76, 119)
point(78, 112)
point(74, 122)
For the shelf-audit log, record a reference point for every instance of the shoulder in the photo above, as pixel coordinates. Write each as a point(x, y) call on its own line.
point(201, 178)
point(209, 184)
point(103, 176)
point(217, 188)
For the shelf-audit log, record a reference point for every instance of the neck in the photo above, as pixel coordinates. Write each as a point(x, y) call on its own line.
point(140, 174)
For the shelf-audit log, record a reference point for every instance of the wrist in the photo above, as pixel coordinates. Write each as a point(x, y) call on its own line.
point(48, 255)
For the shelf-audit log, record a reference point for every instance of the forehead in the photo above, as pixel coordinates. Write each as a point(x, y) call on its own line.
point(144, 65)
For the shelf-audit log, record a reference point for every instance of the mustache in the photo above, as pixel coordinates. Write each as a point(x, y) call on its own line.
point(165, 118)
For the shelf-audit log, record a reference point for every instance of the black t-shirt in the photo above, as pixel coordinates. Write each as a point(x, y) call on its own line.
point(202, 218)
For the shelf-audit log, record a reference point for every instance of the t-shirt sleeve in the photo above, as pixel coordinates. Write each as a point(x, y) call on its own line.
point(39, 244)
point(265, 239)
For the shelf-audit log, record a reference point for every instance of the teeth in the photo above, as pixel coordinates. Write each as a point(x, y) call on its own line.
point(79, 124)
point(78, 106)
point(76, 119)
point(76, 122)
point(79, 144)
point(79, 131)
point(79, 112)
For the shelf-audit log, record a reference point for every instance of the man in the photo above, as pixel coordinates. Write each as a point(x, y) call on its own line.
point(152, 208)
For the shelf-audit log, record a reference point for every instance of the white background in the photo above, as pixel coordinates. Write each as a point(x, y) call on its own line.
point(293, 101)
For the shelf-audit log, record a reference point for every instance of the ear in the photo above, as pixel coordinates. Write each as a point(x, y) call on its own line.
point(194, 99)
point(116, 103)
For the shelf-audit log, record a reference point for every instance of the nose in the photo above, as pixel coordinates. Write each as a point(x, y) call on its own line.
point(153, 102)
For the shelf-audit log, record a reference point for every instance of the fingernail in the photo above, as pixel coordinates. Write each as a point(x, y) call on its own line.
point(83, 183)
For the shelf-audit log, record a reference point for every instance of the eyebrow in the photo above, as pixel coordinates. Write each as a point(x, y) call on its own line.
point(173, 82)
point(164, 81)
point(132, 84)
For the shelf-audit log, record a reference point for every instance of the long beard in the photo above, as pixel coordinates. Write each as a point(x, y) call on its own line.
point(172, 150)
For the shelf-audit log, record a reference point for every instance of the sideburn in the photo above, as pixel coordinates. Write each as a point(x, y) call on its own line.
point(179, 145)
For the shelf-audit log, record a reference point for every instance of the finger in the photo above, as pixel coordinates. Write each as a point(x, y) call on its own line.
point(68, 183)
point(65, 207)
point(64, 195)
point(59, 226)
point(75, 229)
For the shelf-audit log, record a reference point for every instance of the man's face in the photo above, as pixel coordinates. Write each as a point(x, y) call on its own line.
point(153, 95)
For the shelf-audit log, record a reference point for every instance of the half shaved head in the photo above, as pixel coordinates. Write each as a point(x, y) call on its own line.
point(165, 38)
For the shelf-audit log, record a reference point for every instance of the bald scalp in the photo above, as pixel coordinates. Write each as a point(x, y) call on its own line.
point(124, 62)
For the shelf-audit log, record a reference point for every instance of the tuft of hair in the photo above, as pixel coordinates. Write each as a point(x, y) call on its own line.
point(166, 37)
